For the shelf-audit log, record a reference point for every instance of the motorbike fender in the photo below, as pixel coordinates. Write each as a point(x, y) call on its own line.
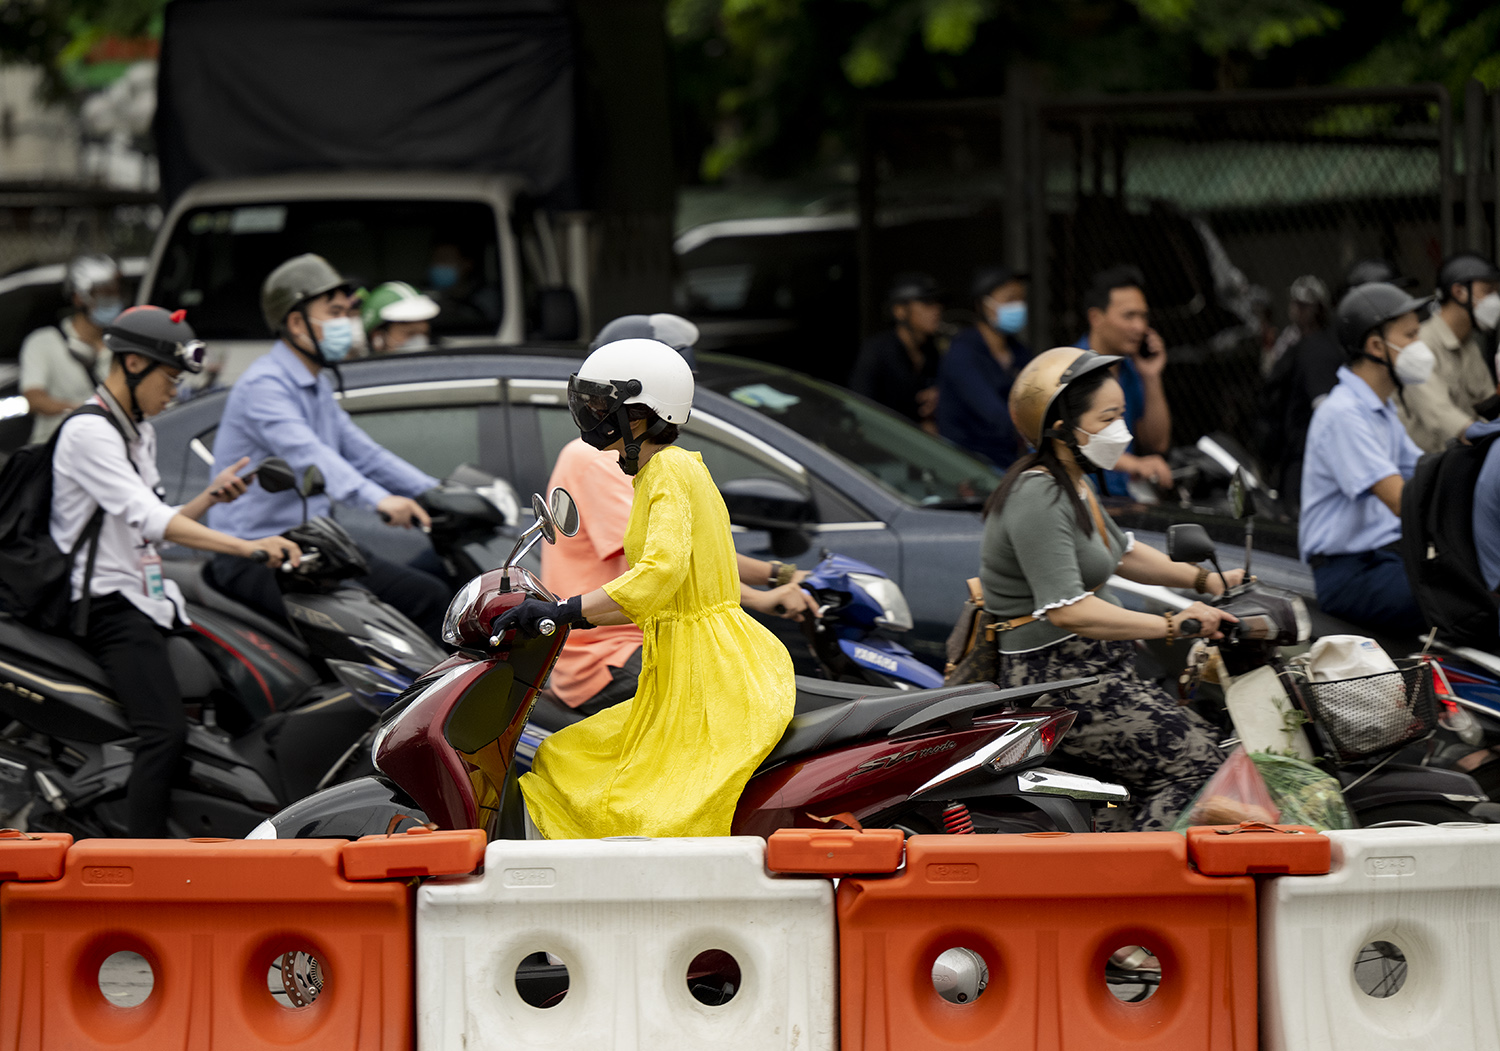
point(1407, 783)
point(890, 658)
point(352, 624)
point(366, 806)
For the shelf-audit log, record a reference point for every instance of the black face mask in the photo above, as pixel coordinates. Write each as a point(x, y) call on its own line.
point(602, 417)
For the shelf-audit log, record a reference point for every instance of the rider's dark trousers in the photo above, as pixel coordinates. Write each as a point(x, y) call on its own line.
point(132, 649)
point(420, 596)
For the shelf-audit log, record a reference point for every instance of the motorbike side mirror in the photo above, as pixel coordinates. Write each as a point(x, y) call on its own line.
point(564, 512)
point(775, 505)
point(275, 475)
point(544, 523)
point(313, 483)
point(1240, 503)
point(1189, 542)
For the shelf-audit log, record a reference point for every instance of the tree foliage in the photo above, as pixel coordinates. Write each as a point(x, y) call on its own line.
point(57, 35)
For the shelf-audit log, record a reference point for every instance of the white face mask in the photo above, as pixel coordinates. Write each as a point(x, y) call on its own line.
point(1105, 448)
point(1414, 362)
point(1487, 312)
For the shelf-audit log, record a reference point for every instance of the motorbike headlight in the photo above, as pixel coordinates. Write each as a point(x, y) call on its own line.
point(1304, 622)
point(883, 591)
point(466, 597)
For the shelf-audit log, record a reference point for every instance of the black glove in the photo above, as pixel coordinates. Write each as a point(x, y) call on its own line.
point(528, 616)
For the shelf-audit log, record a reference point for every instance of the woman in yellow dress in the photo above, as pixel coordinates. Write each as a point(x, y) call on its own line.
point(716, 690)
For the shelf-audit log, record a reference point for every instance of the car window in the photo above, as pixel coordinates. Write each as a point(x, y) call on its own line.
point(432, 439)
point(904, 459)
point(723, 461)
point(217, 257)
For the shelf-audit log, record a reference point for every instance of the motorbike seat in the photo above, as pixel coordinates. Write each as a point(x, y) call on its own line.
point(197, 590)
point(872, 712)
point(195, 676)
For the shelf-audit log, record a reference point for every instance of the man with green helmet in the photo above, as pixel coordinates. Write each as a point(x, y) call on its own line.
point(398, 318)
point(284, 406)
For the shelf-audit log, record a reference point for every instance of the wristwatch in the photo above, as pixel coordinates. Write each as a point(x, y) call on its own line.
point(782, 573)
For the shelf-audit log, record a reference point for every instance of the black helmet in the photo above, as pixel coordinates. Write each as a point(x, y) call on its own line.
point(676, 332)
point(1462, 269)
point(167, 339)
point(989, 278)
point(913, 286)
point(1369, 306)
point(1369, 271)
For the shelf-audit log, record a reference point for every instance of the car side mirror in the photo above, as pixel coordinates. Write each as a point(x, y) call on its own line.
point(313, 483)
point(275, 475)
point(1189, 542)
point(777, 506)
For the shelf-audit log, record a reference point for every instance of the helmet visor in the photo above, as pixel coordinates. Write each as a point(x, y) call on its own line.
point(592, 402)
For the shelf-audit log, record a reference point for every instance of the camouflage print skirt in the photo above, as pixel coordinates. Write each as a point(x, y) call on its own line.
point(1126, 726)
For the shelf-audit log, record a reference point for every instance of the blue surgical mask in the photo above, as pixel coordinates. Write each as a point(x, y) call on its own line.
point(442, 275)
point(337, 338)
point(1011, 317)
point(104, 311)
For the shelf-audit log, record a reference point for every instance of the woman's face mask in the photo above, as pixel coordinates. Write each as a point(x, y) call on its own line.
point(1487, 312)
point(104, 311)
point(1104, 449)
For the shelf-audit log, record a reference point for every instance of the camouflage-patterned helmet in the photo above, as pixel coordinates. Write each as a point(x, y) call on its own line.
point(293, 283)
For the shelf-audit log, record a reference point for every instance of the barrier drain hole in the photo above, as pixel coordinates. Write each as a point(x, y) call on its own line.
point(1380, 969)
point(960, 975)
point(126, 979)
point(296, 979)
point(542, 980)
point(713, 977)
point(1133, 974)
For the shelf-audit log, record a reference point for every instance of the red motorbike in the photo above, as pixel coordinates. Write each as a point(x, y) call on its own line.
point(960, 759)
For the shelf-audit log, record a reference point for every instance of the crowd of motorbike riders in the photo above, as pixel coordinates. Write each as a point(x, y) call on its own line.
point(684, 693)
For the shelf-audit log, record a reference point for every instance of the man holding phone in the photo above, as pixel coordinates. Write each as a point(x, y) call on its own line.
point(1115, 305)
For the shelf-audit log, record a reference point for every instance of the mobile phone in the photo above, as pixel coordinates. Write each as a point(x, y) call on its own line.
point(247, 478)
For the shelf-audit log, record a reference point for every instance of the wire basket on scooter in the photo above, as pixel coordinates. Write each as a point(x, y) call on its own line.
point(1374, 713)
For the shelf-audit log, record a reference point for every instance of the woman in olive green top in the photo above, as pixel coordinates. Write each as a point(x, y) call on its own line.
point(1048, 551)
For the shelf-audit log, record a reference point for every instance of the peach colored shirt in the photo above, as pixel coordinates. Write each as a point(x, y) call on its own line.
point(579, 564)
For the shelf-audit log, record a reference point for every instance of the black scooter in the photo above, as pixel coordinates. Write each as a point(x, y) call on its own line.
point(274, 712)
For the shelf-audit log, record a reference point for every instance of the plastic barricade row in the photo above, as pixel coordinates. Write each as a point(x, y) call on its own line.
point(211, 918)
point(624, 930)
point(1398, 947)
point(1004, 940)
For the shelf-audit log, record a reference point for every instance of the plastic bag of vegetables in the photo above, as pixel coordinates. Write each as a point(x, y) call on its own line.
point(1304, 794)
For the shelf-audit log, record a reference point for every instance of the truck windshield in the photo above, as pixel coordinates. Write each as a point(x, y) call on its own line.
point(217, 257)
point(903, 458)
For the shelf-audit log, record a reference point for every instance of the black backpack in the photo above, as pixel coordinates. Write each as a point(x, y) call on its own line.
point(34, 574)
point(1437, 544)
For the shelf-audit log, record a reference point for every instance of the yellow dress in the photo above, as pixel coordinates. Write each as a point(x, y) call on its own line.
point(715, 693)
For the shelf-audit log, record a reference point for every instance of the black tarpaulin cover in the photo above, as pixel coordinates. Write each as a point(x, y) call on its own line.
point(254, 87)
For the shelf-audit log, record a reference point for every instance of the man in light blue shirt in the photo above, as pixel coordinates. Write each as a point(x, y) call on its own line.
point(284, 406)
point(1357, 461)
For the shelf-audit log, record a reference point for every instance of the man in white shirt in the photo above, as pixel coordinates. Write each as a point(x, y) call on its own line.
point(61, 364)
point(108, 463)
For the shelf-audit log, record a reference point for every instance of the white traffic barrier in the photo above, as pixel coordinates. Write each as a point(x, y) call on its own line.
point(1397, 947)
point(627, 918)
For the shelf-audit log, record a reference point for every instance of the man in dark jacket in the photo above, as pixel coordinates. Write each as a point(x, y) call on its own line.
point(975, 377)
point(898, 367)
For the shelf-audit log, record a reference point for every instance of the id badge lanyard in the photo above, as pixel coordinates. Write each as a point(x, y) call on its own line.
point(151, 572)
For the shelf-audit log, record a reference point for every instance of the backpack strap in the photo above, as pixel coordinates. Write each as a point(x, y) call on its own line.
point(90, 534)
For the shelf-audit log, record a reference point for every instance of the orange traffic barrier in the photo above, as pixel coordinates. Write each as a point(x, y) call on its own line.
point(834, 851)
point(1256, 849)
point(251, 944)
point(1012, 941)
point(32, 855)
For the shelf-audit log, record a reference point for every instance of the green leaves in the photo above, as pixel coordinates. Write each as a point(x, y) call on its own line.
point(1256, 27)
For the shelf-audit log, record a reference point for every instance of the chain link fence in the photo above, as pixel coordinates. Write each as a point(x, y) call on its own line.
point(1222, 199)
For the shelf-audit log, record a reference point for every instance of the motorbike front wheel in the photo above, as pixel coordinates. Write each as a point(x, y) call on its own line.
point(1424, 813)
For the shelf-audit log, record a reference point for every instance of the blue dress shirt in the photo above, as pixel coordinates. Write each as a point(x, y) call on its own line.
point(1354, 441)
point(974, 397)
point(279, 408)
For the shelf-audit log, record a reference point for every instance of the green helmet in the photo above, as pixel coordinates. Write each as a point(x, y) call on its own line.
point(396, 301)
point(293, 283)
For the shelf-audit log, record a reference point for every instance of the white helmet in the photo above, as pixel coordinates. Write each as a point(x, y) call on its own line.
point(623, 373)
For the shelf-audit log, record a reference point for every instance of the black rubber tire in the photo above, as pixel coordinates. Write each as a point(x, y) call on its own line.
point(1428, 813)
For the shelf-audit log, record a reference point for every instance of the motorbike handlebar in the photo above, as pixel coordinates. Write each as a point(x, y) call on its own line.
point(260, 556)
point(1191, 626)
